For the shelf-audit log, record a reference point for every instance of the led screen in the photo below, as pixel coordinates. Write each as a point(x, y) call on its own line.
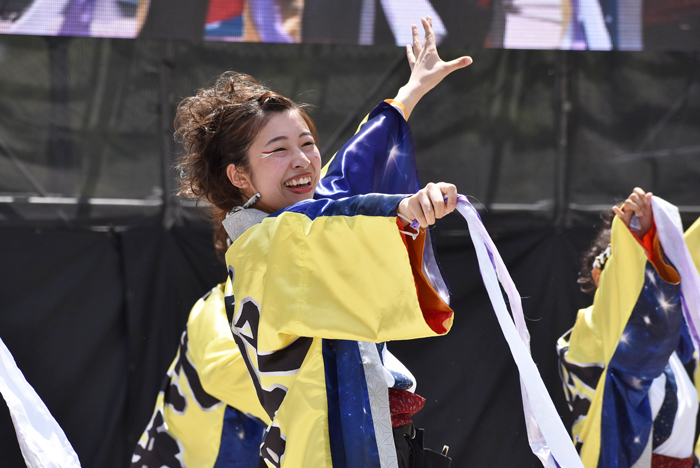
point(529, 24)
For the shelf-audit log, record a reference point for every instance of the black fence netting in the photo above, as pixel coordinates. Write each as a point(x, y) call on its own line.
point(102, 263)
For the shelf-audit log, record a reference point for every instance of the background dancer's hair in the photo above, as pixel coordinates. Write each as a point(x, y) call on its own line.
point(601, 242)
point(216, 128)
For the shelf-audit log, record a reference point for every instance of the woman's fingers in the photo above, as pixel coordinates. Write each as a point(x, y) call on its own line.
point(638, 203)
point(437, 203)
point(456, 64)
point(638, 191)
point(410, 56)
point(634, 205)
point(429, 36)
point(451, 194)
point(415, 205)
point(624, 216)
point(426, 207)
point(417, 45)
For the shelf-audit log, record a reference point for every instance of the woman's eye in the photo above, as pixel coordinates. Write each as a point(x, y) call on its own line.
point(309, 143)
point(278, 150)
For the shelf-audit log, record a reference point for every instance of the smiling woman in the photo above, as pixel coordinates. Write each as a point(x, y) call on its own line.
point(320, 277)
point(238, 128)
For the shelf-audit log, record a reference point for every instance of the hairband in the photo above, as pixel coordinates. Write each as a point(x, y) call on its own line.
point(602, 257)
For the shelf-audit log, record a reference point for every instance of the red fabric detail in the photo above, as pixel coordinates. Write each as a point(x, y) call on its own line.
point(484, 3)
point(647, 241)
point(403, 404)
point(661, 461)
point(434, 318)
point(221, 10)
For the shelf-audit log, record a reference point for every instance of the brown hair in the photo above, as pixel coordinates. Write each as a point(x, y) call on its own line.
point(600, 243)
point(216, 128)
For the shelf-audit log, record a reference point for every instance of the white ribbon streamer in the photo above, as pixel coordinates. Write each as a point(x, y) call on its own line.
point(41, 439)
point(670, 231)
point(549, 439)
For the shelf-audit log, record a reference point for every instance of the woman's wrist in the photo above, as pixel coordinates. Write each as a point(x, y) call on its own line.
point(409, 95)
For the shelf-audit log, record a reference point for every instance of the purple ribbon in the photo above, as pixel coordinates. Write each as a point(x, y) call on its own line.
point(549, 440)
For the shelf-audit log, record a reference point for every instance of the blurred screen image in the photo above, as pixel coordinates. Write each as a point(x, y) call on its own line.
point(510, 24)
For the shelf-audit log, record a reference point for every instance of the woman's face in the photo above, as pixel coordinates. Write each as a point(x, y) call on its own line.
point(284, 163)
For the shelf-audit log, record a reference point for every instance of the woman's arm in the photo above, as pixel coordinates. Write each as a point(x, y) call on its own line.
point(427, 68)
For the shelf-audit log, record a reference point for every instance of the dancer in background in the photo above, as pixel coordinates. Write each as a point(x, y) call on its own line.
point(632, 401)
point(315, 286)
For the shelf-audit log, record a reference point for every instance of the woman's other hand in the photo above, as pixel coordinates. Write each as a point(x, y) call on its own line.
point(427, 68)
point(638, 203)
point(429, 204)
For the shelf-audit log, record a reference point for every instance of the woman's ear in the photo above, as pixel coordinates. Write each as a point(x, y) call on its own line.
point(595, 274)
point(237, 177)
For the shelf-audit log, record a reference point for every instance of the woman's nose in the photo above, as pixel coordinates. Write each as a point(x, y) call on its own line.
point(301, 160)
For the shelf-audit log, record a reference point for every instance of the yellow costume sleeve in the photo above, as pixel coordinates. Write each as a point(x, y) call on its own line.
point(338, 277)
point(692, 240)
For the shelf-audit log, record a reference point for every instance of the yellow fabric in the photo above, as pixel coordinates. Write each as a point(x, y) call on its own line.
point(222, 372)
point(692, 240)
point(597, 331)
point(302, 291)
point(394, 102)
point(217, 358)
point(335, 277)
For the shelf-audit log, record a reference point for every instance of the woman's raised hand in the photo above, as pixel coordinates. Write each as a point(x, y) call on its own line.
point(429, 204)
point(427, 68)
point(639, 203)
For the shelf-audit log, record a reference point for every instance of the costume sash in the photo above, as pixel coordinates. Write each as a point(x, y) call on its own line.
point(43, 443)
point(549, 439)
point(670, 232)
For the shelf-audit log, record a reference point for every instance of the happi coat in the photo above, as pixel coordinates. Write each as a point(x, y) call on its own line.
point(287, 358)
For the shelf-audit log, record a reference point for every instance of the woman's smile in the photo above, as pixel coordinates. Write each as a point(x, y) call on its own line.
point(300, 184)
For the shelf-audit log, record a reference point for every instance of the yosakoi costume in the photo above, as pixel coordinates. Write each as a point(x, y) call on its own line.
point(313, 293)
point(632, 401)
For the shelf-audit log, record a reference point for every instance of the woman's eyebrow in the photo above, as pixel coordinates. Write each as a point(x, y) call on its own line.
point(282, 137)
point(277, 138)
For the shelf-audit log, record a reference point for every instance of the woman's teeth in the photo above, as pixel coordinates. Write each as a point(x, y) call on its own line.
point(297, 182)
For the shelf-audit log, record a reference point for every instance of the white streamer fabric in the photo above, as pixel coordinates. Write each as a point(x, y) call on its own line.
point(549, 439)
point(41, 439)
point(670, 231)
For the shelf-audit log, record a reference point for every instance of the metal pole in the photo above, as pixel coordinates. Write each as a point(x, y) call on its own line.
point(561, 179)
point(166, 72)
